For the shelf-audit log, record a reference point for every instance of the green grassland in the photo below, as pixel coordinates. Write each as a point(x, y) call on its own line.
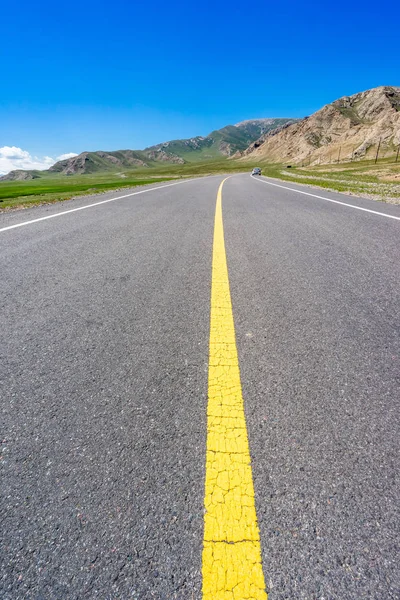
point(380, 181)
point(53, 187)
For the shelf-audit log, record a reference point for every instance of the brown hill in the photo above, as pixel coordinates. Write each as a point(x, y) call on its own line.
point(20, 175)
point(350, 127)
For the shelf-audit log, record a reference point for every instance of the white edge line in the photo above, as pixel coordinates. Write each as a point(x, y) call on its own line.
point(375, 212)
point(66, 212)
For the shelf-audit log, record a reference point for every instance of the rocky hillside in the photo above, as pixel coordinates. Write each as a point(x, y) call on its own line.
point(350, 127)
point(92, 162)
point(20, 175)
point(222, 142)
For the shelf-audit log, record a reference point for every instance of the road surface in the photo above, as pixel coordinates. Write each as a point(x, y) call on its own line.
point(107, 381)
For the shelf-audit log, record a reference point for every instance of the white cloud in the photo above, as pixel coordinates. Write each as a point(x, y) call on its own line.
point(12, 152)
point(65, 156)
point(12, 158)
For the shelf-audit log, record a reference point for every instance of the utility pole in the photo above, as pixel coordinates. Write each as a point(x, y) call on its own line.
point(340, 149)
point(377, 152)
point(397, 155)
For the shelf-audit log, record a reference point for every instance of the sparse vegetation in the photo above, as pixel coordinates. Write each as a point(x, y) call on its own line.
point(379, 181)
point(351, 113)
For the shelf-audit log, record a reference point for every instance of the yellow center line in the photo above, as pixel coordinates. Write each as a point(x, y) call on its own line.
point(232, 567)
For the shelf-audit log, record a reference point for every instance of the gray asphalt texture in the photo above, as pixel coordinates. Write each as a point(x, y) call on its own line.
point(103, 369)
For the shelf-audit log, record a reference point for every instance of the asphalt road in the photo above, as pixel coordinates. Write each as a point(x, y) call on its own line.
point(104, 330)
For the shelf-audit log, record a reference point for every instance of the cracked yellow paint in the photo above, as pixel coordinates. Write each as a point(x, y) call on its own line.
point(232, 566)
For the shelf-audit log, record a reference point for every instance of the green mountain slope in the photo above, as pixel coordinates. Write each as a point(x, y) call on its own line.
point(219, 143)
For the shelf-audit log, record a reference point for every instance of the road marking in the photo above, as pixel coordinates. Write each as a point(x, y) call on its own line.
point(232, 566)
point(66, 212)
point(375, 212)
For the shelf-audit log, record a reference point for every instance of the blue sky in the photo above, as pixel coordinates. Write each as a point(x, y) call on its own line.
point(109, 75)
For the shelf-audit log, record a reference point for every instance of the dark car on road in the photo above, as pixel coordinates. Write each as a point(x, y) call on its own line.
point(256, 171)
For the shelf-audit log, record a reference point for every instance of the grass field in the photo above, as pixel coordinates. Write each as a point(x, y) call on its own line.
point(381, 181)
point(17, 194)
point(52, 187)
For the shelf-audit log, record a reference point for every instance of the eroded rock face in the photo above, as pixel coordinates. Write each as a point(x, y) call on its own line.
point(161, 155)
point(91, 162)
point(351, 127)
point(18, 175)
point(112, 159)
point(128, 158)
point(225, 148)
point(72, 166)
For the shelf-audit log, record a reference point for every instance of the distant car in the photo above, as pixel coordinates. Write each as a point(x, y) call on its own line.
point(256, 171)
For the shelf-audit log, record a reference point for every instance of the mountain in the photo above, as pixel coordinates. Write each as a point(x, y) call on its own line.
point(92, 162)
point(351, 127)
point(20, 175)
point(222, 142)
point(218, 144)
